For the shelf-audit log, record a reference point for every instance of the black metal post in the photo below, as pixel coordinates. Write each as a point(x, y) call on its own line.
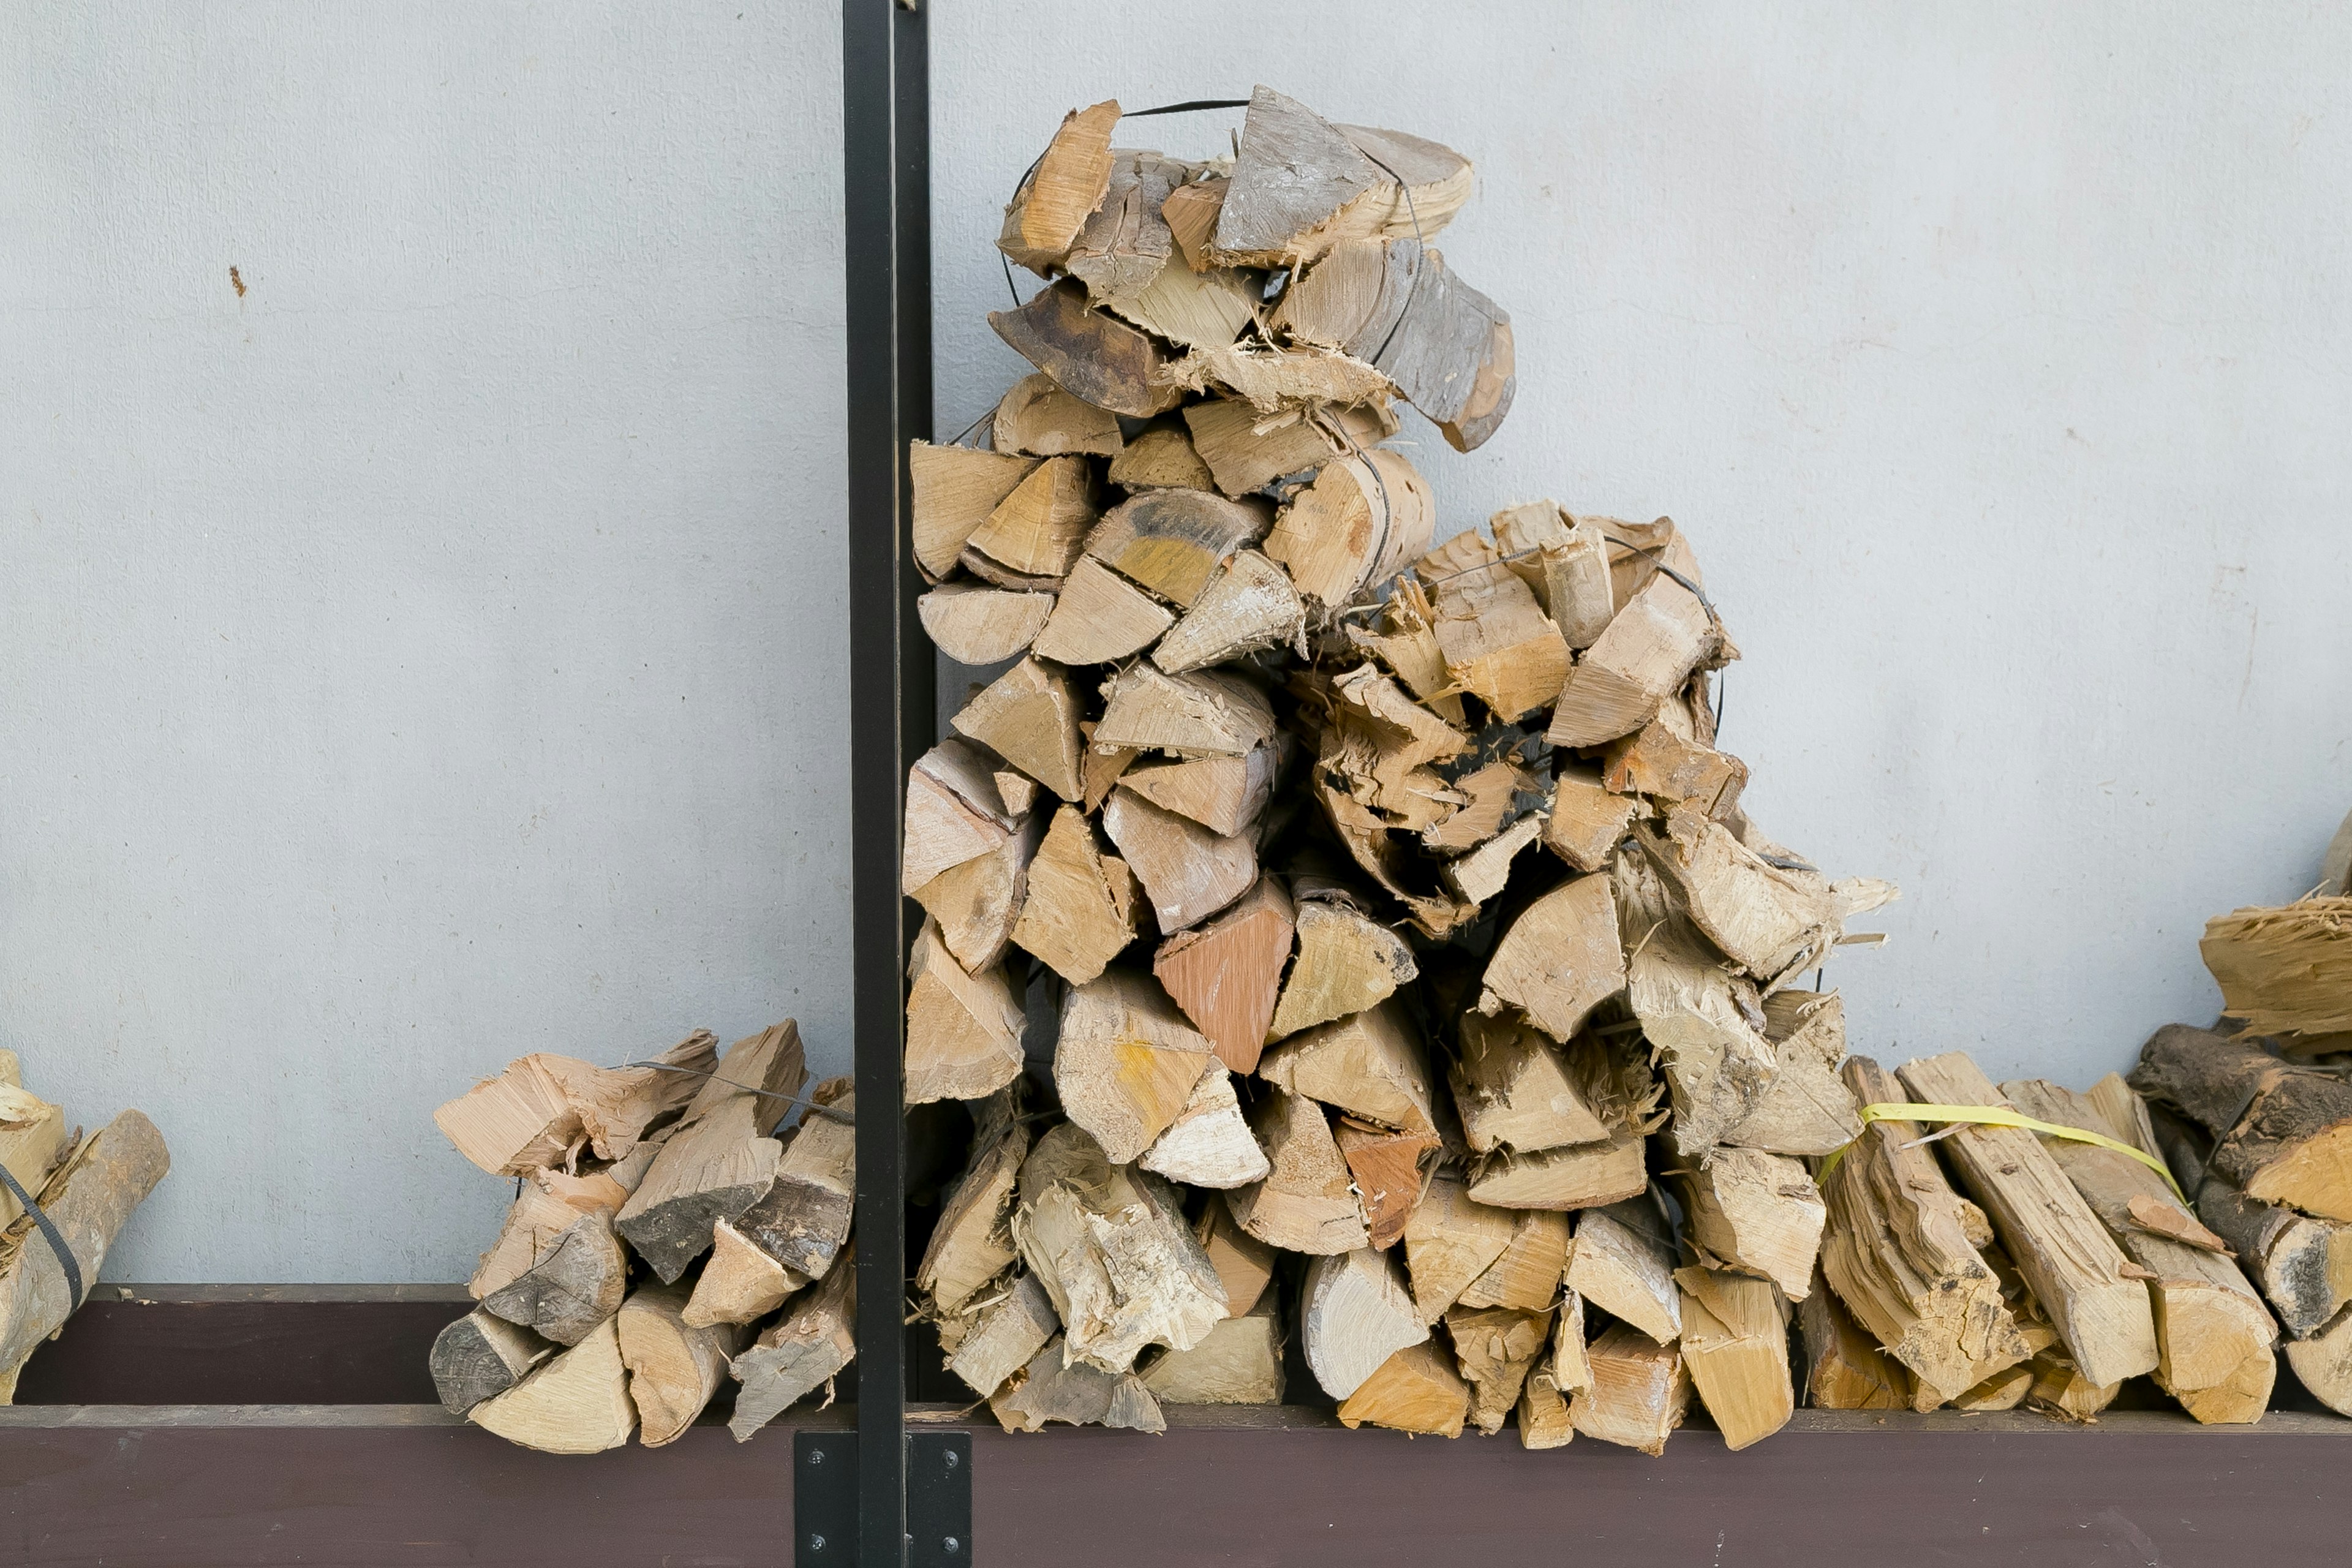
point(885, 200)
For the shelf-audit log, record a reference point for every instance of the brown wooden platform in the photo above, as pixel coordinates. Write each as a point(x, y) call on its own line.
point(363, 1480)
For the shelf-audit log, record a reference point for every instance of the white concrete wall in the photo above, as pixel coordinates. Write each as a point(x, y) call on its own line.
point(436, 653)
point(432, 655)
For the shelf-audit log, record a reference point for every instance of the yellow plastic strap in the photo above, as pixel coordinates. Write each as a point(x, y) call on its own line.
point(2002, 1116)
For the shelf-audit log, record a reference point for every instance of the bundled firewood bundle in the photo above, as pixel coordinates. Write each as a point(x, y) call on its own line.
point(83, 1189)
point(678, 1223)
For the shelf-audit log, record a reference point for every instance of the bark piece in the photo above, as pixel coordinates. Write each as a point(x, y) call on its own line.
point(543, 1107)
point(1126, 1062)
point(1306, 1203)
point(1250, 604)
point(1512, 1085)
point(1210, 1143)
point(1038, 419)
point(1345, 964)
point(1239, 1364)
point(971, 1245)
point(2285, 971)
point(1188, 872)
point(481, 1356)
point(1450, 1242)
point(1173, 542)
point(2284, 1134)
point(1735, 1345)
point(1244, 1265)
point(1624, 1264)
point(576, 1284)
point(1846, 1369)
point(1581, 1175)
point(1415, 1390)
point(1528, 1274)
point(1385, 1166)
point(1053, 1388)
point(1362, 519)
point(1587, 821)
point(1005, 1336)
point(1079, 909)
point(974, 624)
point(1029, 716)
point(575, 1403)
point(1225, 975)
point(1759, 1214)
point(673, 1367)
point(1356, 1315)
point(815, 1341)
point(963, 1028)
point(1639, 1393)
point(1101, 617)
point(1064, 190)
point(955, 488)
point(1223, 794)
point(1204, 714)
point(1651, 648)
point(721, 1160)
point(1373, 1065)
point(1091, 355)
point(1161, 458)
point(1558, 960)
point(740, 1283)
point(1039, 529)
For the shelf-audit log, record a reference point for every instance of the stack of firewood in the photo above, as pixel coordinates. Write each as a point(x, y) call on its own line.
point(85, 1186)
point(675, 1222)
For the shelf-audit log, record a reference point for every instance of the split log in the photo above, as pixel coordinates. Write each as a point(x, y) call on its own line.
point(1191, 213)
point(805, 1217)
point(88, 1198)
point(963, 1028)
point(815, 1341)
point(1207, 713)
point(1570, 571)
point(1246, 450)
point(721, 1161)
point(2303, 1265)
point(575, 1403)
point(977, 904)
point(955, 812)
point(542, 1108)
point(2322, 1361)
point(32, 1139)
point(1356, 1315)
point(1301, 184)
point(1759, 1214)
point(1764, 919)
point(1307, 1204)
point(974, 624)
point(1416, 1390)
point(1450, 1242)
point(1210, 1143)
point(2059, 1388)
point(1198, 310)
point(1699, 1017)
point(1239, 1364)
point(1624, 1263)
point(1580, 1176)
point(740, 1282)
point(1029, 716)
point(971, 1245)
point(1806, 1108)
point(1543, 1410)
point(1371, 1064)
point(1846, 1369)
point(1639, 1391)
point(1407, 644)
point(1038, 530)
point(2284, 1134)
point(1052, 1388)
point(1362, 519)
point(1126, 1062)
point(1223, 794)
point(576, 1284)
point(1365, 835)
point(1005, 1335)
point(2075, 1269)
point(1479, 876)
point(1276, 378)
point(1498, 793)
point(1385, 1166)
point(1125, 243)
point(1038, 419)
point(1529, 1274)
point(1735, 1344)
point(1668, 765)
point(1224, 975)
point(1067, 186)
point(1161, 457)
point(544, 1210)
point(1651, 648)
point(1571, 1367)
point(1386, 750)
point(1078, 911)
point(479, 1356)
point(1101, 617)
point(1244, 1265)
point(1558, 960)
point(2004, 1390)
point(1512, 1085)
point(1249, 604)
point(1091, 355)
point(2287, 970)
point(955, 488)
point(673, 1367)
point(1173, 542)
point(1345, 964)
point(1188, 872)
point(1587, 821)
point(1901, 1250)
point(1111, 1247)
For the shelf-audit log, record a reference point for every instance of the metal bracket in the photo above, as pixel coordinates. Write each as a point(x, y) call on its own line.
point(825, 1499)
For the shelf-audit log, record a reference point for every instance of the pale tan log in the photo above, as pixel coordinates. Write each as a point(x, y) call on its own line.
point(576, 1402)
point(1512, 1085)
point(1161, 458)
point(1639, 1391)
point(1651, 648)
point(1558, 960)
point(1239, 1364)
point(955, 488)
point(955, 812)
point(545, 1208)
point(1759, 1214)
point(1361, 520)
point(1246, 450)
point(2075, 1268)
point(1372, 1064)
point(1580, 1176)
point(1498, 645)
point(1039, 529)
point(1901, 1250)
point(1345, 964)
point(1188, 872)
point(1306, 1203)
point(1735, 1345)
point(1127, 1062)
point(2059, 1389)
point(1529, 1274)
point(543, 1107)
point(974, 624)
point(805, 1218)
point(576, 1283)
point(1016, 789)
point(1543, 1410)
point(1386, 749)
point(1415, 1390)
point(1068, 184)
point(1029, 716)
point(1100, 617)
point(970, 1246)
point(1301, 184)
point(1038, 419)
point(32, 1139)
point(2287, 970)
point(1126, 243)
point(88, 1198)
point(1624, 1263)
point(1385, 1166)
point(1356, 1314)
point(1173, 542)
point(815, 1341)
point(1846, 1369)
point(1408, 646)
point(1079, 909)
point(1210, 1143)
point(2284, 1135)
point(1248, 605)
point(1275, 378)
point(1365, 836)
point(1092, 355)
point(1225, 975)
point(740, 1283)
point(1053, 1388)
point(1586, 821)
point(1005, 1335)
point(673, 1367)
point(1244, 1265)
point(1571, 1368)
point(2303, 1265)
point(1193, 310)
point(1191, 213)
point(1570, 571)
point(1694, 1012)
point(963, 1029)
point(1223, 794)
point(2004, 1390)
point(1479, 877)
point(1207, 713)
point(1807, 1108)
point(481, 1356)
point(977, 904)
point(1495, 1348)
point(1494, 792)
point(2322, 1362)
point(1450, 1241)
point(1762, 917)
point(1660, 762)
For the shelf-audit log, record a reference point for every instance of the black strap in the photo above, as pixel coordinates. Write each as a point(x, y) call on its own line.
point(55, 1236)
point(1187, 107)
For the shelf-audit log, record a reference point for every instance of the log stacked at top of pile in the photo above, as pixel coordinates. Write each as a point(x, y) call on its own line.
point(675, 1222)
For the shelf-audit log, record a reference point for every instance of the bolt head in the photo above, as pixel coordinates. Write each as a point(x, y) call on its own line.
point(953, 1545)
point(816, 1543)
